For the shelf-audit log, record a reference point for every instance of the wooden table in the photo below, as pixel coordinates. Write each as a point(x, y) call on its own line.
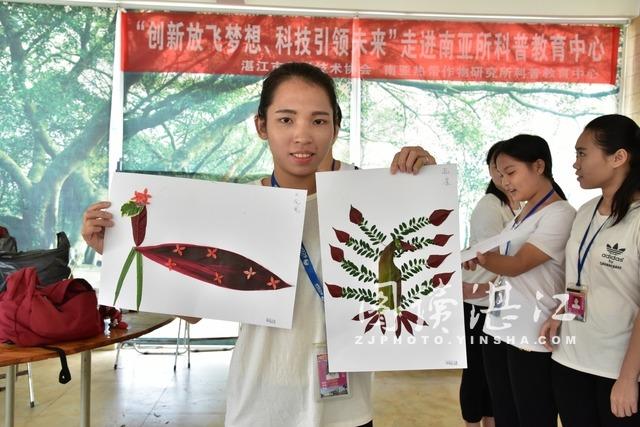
point(10, 356)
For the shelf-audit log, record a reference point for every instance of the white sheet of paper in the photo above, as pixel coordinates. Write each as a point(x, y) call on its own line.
point(386, 201)
point(263, 224)
point(486, 245)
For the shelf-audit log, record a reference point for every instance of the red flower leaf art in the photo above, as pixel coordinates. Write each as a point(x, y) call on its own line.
point(337, 254)
point(227, 269)
point(141, 198)
point(334, 290)
point(139, 226)
point(355, 216)
point(438, 216)
point(434, 261)
point(441, 279)
point(342, 236)
point(441, 239)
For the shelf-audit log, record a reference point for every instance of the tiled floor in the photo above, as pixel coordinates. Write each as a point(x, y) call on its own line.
point(144, 391)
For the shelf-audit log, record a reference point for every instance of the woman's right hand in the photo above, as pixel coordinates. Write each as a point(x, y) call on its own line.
point(549, 330)
point(94, 221)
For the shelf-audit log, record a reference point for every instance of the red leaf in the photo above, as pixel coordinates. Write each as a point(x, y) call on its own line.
point(434, 261)
point(441, 239)
point(196, 264)
point(355, 216)
point(334, 290)
point(342, 236)
point(413, 318)
point(407, 324)
point(364, 315)
point(407, 246)
point(438, 216)
point(398, 326)
point(383, 324)
point(337, 254)
point(441, 279)
point(372, 322)
point(409, 315)
point(139, 226)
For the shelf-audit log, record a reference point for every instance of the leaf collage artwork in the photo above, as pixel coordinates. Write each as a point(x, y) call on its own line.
point(198, 248)
point(205, 263)
point(389, 297)
point(391, 268)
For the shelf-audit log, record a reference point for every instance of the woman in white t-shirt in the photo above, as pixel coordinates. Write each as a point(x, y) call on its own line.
point(492, 212)
point(596, 359)
point(274, 376)
point(531, 269)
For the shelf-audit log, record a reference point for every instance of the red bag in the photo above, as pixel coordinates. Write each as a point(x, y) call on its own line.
point(32, 316)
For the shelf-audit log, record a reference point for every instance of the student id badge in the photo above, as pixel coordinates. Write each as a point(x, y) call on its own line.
point(498, 298)
point(329, 385)
point(577, 302)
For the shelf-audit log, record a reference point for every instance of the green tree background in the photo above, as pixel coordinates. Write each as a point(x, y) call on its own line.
point(56, 73)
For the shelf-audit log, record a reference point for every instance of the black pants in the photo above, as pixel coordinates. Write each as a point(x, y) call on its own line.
point(584, 400)
point(475, 402)
point(520, 386)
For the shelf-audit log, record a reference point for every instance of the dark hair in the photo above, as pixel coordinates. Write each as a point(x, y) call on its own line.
point(528, 149)
point(492, 188)
point(613, 132)
point(304, 71)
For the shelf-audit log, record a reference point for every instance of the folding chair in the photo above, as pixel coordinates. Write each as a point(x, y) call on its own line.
point(186, 343)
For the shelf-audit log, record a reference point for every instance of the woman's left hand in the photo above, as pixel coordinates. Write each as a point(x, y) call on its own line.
point(411, 160)
point(624, 397)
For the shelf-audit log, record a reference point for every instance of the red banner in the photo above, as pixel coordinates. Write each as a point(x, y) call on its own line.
point(369, 48)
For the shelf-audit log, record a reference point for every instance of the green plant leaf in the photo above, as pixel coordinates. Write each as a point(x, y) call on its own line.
point(131, 208)
point(123, 273)
point(138, 280)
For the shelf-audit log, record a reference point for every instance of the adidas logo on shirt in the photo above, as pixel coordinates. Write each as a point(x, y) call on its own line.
point(612, 255)
point(613, 250)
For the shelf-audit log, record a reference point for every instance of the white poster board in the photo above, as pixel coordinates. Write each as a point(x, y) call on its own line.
point(391, 269)
point(209, 249)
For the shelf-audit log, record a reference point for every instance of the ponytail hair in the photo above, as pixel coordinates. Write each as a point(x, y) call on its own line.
point(613, 132)
point(528, 149)
point(491, 187)
point(558, 189)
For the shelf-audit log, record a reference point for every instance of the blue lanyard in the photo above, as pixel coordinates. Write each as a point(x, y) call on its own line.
point(517, 224)
point(304, 257)
point(582, 259)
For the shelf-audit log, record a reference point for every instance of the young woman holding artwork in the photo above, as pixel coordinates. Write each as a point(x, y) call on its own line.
point(531, 269)
point(273, 377)
point(596, 360)
point(492, 212)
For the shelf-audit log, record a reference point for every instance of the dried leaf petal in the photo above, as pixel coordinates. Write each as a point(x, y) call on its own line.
point(372, 322)
point(364, 315)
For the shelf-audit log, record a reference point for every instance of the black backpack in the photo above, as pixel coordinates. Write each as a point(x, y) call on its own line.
point(52, 265)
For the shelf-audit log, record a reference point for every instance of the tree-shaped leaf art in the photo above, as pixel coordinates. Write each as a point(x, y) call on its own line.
point(208, 264)
point(390, 296)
